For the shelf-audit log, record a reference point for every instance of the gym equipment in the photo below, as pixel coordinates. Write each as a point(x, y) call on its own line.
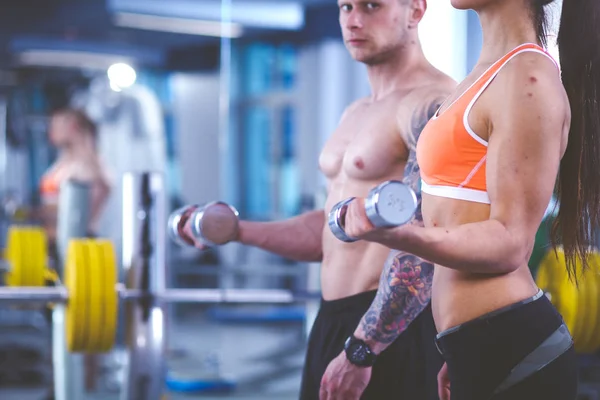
point(92, 296)
point(542, 242)
point(25, 256)
point(92, 293)
point(389, 204)
point(191, 384)
point(260, 315)
point(578, 305)
point(196, 214)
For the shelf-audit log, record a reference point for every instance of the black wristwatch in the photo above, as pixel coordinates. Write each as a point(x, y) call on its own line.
point(359, 353)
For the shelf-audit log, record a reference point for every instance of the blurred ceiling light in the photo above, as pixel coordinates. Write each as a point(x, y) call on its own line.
point(114, 87)
point(121, 76)
point(178, 25)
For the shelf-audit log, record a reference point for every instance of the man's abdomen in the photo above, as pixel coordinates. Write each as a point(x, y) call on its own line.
point(350, 268)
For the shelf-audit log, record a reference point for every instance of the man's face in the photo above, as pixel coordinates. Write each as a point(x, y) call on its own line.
point(373, 29)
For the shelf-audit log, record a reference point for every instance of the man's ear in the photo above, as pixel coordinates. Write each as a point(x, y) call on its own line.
point(417, 11)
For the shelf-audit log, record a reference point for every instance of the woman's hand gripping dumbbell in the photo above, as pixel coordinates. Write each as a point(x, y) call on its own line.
point(211, 225)
point(388, 205)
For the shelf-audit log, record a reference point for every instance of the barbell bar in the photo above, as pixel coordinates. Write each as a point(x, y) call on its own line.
point(60, 294)
point(92, 294)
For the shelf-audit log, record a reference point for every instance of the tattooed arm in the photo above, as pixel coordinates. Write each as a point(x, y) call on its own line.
point(405, 284)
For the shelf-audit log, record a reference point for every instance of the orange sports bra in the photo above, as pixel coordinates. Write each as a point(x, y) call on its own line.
point(50, 184)
point(451, 156)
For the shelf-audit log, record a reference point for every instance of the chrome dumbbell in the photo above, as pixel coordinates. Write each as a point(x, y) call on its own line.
point(221, 227)
point(389, 204)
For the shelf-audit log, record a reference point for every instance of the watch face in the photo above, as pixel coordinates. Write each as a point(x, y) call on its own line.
point(357, 353)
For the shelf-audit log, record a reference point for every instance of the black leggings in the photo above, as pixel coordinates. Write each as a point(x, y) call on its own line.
point(521, 352)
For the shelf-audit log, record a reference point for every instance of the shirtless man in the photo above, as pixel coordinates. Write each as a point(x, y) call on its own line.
point(387, 312)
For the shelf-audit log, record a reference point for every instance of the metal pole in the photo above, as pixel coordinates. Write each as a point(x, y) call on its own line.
point(144, 225)
point(4, 223)
point(72, 222)
point(3, 147)
point(41, 295)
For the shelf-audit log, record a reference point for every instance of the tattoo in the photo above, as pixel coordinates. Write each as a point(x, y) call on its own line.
point(404, 291)
point(405, 284)
point(412, 173)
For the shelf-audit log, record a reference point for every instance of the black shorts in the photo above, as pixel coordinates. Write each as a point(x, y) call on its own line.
point(521, 352)
point(407, 369)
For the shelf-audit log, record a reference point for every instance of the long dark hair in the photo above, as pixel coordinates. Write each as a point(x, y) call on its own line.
point(578, 186)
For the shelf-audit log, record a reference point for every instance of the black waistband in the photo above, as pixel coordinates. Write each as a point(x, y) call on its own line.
point(529, 322)
point(492, 314)
point(356, 301)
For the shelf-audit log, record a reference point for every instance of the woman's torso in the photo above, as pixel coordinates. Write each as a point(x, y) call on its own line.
point(452, 153)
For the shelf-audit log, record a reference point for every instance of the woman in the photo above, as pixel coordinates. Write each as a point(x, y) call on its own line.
point(73, 133)
point(489, 162)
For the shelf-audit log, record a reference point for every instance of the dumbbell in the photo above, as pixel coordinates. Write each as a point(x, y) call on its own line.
point(389, 204)
point(222, 227)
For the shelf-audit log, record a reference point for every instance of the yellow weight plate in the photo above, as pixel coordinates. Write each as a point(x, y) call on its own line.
point(94, 285)
point(14, 256)
point(552, 279)
point(111, 300)
point(585, 291)
point(75, 281)
point(589, 312)
point(26, 255)
point(595, 341)
point(587, 320)
point(85, 273)
point(578, 305)
point(546, 277)
point(35, 257)
point(39, 247)
point(567, 306)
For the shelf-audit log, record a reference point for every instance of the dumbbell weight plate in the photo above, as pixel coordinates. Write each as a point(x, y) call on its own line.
point(227, 222)
point(334, 220)
point(392, 203)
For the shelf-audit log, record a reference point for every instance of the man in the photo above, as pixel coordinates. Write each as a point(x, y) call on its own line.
point(375, 142)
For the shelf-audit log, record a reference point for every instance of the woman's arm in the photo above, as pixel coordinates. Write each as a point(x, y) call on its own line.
point(524, 151)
